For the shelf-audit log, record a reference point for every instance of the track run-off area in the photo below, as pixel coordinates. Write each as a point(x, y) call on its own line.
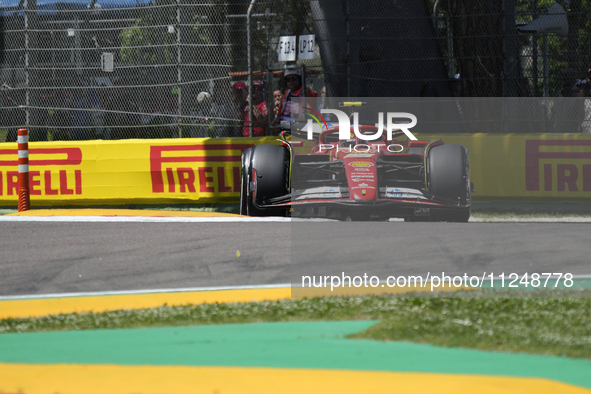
point(64, 261)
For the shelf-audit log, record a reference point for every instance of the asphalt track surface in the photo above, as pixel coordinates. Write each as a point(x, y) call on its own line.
point(51, 262)
point(68, 257)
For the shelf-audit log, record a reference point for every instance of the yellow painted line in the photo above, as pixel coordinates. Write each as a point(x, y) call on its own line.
point(51, 306)
point(37, 307)
point(119, 212)
point(120, 379)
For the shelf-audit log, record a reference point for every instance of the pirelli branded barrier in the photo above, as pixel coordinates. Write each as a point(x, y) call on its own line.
point(504, 167)
point(128, 171)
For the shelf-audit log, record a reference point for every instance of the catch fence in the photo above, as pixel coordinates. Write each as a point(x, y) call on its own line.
point(114, 69)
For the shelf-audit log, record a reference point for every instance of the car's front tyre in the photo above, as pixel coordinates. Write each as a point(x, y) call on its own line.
point(270, 165)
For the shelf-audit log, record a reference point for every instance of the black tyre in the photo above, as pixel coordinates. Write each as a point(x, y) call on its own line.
point(448, 177)
point(271, 165)
point(245, 172)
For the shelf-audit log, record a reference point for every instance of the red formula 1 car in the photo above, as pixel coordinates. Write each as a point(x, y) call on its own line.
point(355, 179)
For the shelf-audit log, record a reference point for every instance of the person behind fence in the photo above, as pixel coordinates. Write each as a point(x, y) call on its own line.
point(221, 113)
point(293, 79)
point(568, 111)
point(80, 117)
point(200, 116)
point(154, 121)
point(61, 119)
point(97, 113)
point(584, 86)
point(239, 96)
point(260, 113)
point(39, 132)
point(322, 103)
point(170, 114)
point(568, 79)
point(455, 85)
point(121, 118)
point(277, 103)
point(15, 116)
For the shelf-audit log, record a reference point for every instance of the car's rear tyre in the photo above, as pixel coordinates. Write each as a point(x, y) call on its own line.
point(271, 166)
point(448, 177)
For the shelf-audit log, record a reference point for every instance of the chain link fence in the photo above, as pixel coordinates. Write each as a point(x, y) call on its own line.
point(115, 69)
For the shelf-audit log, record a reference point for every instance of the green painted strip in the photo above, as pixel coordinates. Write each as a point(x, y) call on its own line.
point(284, 345)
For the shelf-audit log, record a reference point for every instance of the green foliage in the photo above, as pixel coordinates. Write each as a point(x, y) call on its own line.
point(471, 37)
point(148, 41)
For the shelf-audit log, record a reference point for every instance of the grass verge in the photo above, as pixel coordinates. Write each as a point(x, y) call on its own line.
point(509, 215)
point(559, 327)
point(550, 326)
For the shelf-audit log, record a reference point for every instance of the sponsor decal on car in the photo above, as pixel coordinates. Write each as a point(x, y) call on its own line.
point(317, 193)
point(394, 193)
point(402, 192)
point(330, 193)
point(359, 155)
point(361, 164)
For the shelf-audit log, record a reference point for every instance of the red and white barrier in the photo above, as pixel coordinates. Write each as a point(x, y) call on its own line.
point(24, 200)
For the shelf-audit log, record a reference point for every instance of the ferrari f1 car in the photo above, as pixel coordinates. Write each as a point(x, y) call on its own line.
point(355, 179)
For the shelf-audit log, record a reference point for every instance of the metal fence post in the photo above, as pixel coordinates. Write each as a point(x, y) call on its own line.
point(511, 59)
point(27, 77)
point(178, 69)
point(248, 45)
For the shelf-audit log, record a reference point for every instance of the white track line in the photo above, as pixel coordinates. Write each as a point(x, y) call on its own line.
point(565, 219)
point(187, 289)
point(156, 219)
point(230, 219)
point(142, 219)
point(149, 291)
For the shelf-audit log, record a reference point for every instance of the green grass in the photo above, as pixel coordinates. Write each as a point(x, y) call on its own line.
point(560, 327)
point(551, 326)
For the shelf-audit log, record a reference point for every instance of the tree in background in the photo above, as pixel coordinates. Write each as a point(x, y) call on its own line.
point(475, 43)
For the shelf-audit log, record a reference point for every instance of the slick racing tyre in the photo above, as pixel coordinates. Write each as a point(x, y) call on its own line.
point(448, 178)
point(270, 164)
point(245, 170)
